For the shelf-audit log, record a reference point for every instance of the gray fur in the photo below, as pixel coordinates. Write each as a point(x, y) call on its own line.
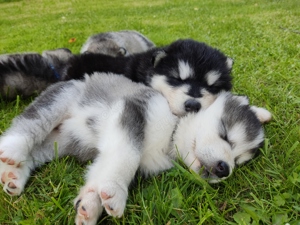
point(235, 112)
point(45, 101)
point(119, 43)
point(28, 73)
point(133, 119)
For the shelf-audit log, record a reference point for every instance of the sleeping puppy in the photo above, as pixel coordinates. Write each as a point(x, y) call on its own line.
point(124, 127)
point(189, 74)
point(118, 43)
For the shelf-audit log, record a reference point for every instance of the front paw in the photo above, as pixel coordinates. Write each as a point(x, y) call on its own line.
point(13, 179)
point(113, 198)
point(88, 207)
point(13, 175)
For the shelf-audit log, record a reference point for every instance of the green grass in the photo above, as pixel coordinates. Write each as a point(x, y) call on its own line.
point(262, 36)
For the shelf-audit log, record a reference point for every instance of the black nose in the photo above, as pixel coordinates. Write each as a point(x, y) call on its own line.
point(222, 169)
point(192, 105)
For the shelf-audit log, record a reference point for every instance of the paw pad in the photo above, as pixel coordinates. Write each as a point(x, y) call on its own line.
point(104, 196)
point(88, 207)
point(12, 185)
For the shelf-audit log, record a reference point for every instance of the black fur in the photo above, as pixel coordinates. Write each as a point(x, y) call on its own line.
point(141, 67)
point(27, 73)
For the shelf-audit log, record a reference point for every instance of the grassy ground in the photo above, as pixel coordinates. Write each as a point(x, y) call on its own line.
point(263, 36)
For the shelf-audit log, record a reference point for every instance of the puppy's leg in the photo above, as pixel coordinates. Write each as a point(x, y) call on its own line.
point(113, 170)
point(107, 183)
point(29, 131)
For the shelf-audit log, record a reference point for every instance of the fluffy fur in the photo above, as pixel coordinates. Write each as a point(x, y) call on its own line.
point(124, 126)
point(119, 43)
point(188, 73)
point(28, 73)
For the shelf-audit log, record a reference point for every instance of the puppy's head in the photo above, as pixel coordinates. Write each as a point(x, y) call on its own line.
point(59, 54)
point(190, 74)
point(105, 46)
point(226, 134)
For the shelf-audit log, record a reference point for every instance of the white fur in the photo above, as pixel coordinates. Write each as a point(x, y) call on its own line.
point(229, 63)
point(262, 114)
point(175, 95)
point(212, 77)
point(159, 128)
point(185, 71)
point(117, 155)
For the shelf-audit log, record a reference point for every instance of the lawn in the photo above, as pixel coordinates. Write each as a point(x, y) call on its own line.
point(263, 37)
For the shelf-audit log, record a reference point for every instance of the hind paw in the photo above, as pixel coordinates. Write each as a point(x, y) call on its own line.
point(113, 198)
point(88, 207)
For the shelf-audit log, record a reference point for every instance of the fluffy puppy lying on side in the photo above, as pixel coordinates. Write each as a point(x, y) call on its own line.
point(125, 126)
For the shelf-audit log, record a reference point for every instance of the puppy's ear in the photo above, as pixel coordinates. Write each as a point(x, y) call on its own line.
point(229, 62)
point(244, 100)
point(262, 114)
point(157, 56)
point(122, 51)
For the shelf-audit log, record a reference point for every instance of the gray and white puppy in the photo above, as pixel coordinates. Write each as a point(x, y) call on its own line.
point(124, 126)
point(27, 73)
point(119, 43)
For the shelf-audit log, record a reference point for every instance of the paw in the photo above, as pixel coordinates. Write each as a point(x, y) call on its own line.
point(113, 198)
point(88, 207)
point(13, 149)
point(12, 179)
point(13, 175)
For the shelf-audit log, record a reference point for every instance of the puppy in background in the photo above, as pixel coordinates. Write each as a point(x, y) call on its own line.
point(120, 43)
point(29, 73)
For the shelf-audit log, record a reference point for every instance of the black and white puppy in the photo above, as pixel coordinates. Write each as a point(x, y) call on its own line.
point(188, 73)
point(124, 126)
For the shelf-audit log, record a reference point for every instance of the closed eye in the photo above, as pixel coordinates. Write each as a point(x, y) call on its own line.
point(224, 135)
point(225, 138)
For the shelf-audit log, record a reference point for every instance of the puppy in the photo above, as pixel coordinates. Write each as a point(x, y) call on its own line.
point(188, 73)
point(125, 126)
point(119, 43)
point(27, 73)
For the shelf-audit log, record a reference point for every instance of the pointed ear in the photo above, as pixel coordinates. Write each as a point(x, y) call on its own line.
point(229, 62)
point(157, 56)
point(244, 100)
point(262, 114)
